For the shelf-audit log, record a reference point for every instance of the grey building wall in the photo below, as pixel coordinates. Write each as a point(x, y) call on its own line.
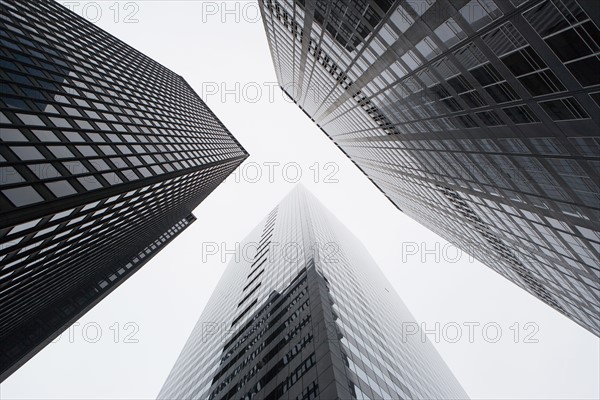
point(305, 313)
point(104, 154)
point(478, 118)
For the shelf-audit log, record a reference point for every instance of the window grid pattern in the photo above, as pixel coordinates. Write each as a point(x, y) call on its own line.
point(68, 309)
point(103, 150)
point(75, 119)
point(326, 301)
point(481, 99)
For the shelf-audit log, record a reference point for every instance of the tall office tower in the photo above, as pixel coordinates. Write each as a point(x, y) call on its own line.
point(303, 312)
point(477, 118)
point(105, 153)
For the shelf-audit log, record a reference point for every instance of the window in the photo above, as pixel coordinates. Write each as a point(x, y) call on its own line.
point(401, 19)
point(486, 74)
point(490, 118)
point(83, 124)
point(44, 171)
point(523, 61)
point(73, 136)
point(75, 167)
point(60, 122)
point(24, 226)
point(61, 188)
point(60, 151)
point(564, 109)
point(464, 121)
point(473, 99)
point(460, 84)
point(99, 164)
point(30, 119)
point(521, 114)
point(586, 71)
point(541, 83)
point(547, 19)
point(112, 178)
point(89, 182)
point(449, 32)
point(45, 136)
point(568, 45)
point(62, 214)
point(548, 146)
point(12, 135)
point(87, 151)
point(107, 150)
point(26, 153)
point(22, 196)
point(479, 13)
point(9, 175)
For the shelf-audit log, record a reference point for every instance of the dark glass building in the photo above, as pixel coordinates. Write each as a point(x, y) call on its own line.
point(104, 153)
point(303, 312)
point(478, 118)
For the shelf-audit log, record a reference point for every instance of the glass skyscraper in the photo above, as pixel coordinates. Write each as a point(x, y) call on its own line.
point(478, 118)
point(303, 312)
point(104, 153)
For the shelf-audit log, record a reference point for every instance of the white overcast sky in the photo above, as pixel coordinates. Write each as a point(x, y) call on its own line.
point(163, 300)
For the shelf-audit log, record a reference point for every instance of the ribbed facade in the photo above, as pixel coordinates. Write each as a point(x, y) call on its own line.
point(478, 118)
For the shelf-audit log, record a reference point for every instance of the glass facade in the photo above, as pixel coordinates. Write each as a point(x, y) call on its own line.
point(478, 118)
point(305, 313)
point(104, 154)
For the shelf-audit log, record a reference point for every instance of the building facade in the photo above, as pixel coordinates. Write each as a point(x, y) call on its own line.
point(303, 312)
point(104, 154)
point(478, 118)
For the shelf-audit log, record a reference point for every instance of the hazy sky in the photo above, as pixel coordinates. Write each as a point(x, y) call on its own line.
point(126, 346)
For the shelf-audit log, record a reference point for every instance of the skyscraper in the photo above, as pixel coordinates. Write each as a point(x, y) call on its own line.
point(477, 118)
point(104, 155)
point(303, 312)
